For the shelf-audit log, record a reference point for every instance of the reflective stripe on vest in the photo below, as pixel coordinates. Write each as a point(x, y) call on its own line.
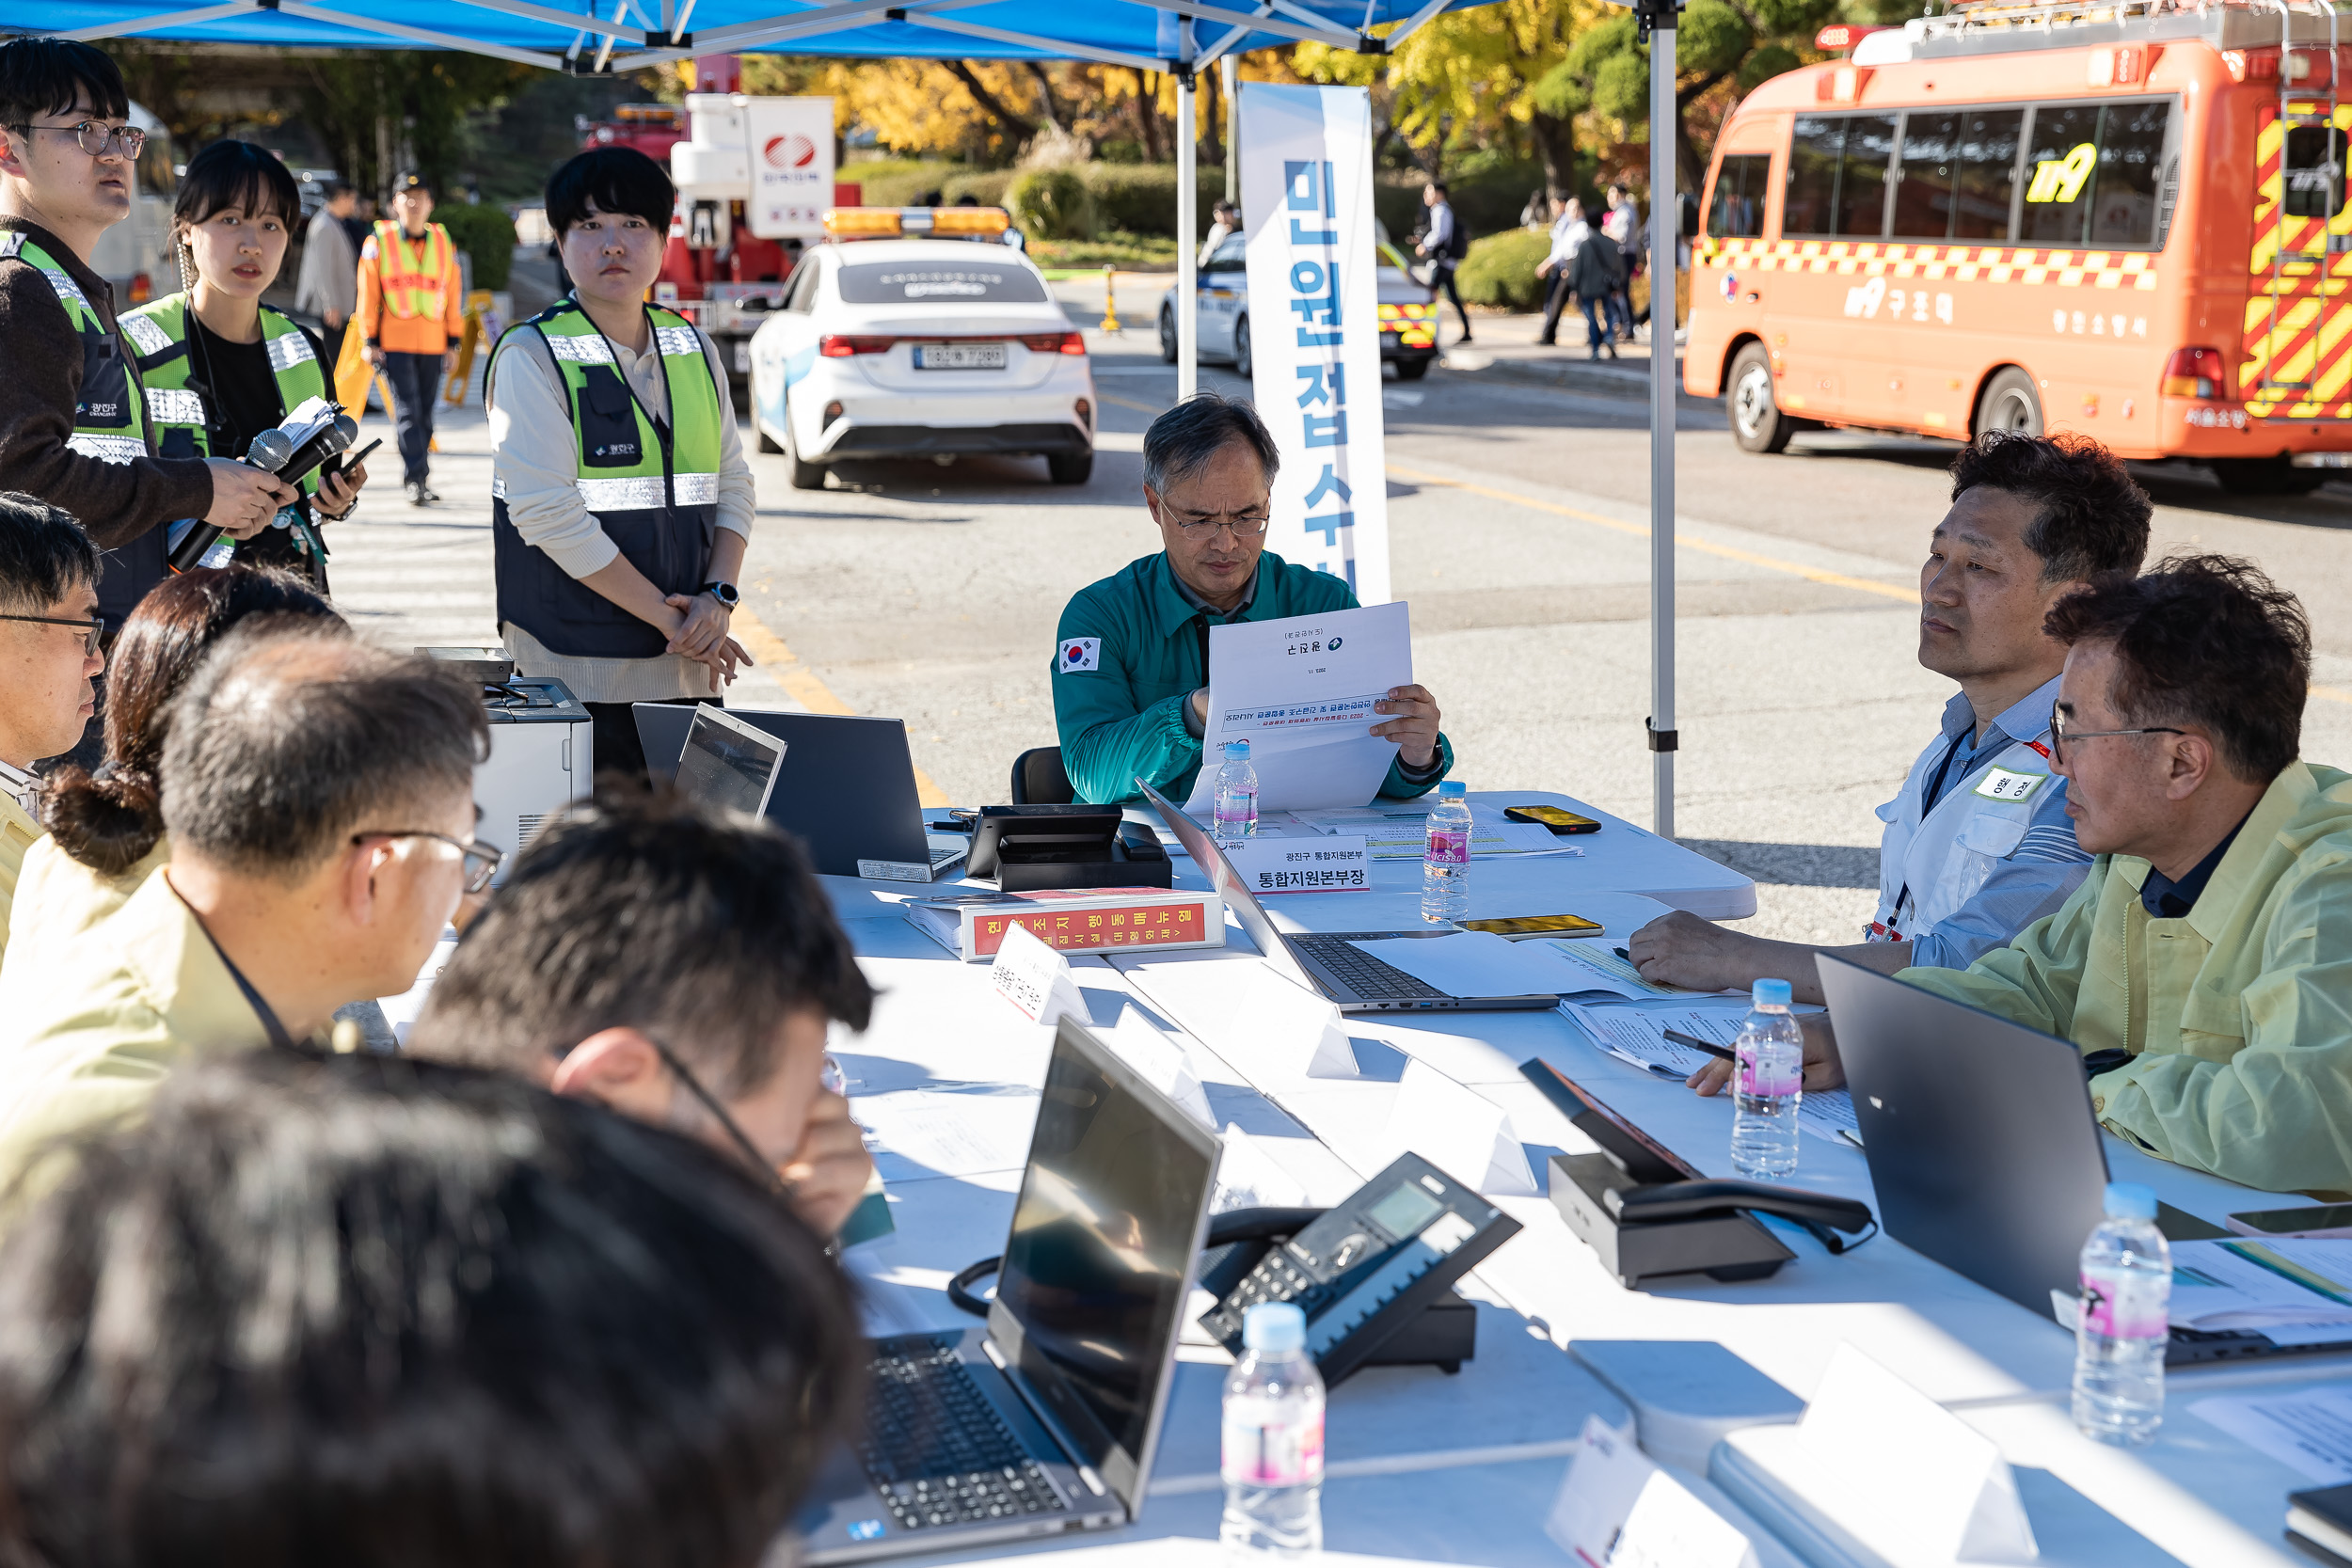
point(407, 292)
point(160, 332)
point(108, 422)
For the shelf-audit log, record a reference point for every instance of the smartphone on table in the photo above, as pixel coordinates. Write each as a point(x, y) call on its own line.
point(2322, 1221)
point(1553, 818)
point(1537, 926)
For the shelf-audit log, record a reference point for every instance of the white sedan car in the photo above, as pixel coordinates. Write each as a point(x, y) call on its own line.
point(897, 347)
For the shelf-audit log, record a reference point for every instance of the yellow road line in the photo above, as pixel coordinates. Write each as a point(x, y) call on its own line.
point(2331, 693)
point(1640, 531)
point(805, 688)
point(1130, 402)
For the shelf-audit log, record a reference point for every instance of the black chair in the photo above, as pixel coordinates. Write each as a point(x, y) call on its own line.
point(1038, 779)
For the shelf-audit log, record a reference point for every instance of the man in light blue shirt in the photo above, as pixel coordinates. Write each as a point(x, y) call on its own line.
point(1979, 844)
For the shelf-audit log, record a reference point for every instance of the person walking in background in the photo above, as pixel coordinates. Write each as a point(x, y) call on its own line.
point(1443, 245)
point(1597, 277)
point(1569, 233)
point(1225, 222)
point(1624, 226)
point(1541, 210)
point(411, 309)
point(328, 287)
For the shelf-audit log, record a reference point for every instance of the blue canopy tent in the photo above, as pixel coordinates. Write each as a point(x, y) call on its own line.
point(1179, 37)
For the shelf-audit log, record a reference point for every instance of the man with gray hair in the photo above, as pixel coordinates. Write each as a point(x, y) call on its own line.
point(49, 661)
point(1130, 665)
point(319, 797)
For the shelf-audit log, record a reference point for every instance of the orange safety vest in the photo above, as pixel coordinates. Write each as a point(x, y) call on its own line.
point(411, 291)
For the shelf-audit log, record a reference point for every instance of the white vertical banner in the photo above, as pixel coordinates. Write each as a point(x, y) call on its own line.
point(1314, 326)
point(790, 143)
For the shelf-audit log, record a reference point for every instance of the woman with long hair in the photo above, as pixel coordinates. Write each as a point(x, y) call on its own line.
point(219, 366)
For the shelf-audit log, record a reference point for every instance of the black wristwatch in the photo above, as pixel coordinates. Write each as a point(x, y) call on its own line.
point(725, 593)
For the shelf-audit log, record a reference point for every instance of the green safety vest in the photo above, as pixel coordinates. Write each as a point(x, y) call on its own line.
point(158, 334)
point(109, 423)
point(652, 487)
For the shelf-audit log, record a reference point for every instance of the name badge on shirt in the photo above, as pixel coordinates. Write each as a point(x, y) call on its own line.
point(1999, 784)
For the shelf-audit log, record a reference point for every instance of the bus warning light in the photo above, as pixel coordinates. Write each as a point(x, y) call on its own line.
point(2194, 372)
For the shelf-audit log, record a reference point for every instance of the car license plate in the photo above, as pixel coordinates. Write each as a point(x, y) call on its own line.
point(742, 357)
point(958, 357)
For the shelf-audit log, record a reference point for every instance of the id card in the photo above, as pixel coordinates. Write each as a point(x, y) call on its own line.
point(1999, 784)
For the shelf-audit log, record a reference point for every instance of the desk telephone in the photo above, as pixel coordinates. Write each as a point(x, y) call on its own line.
point(1375, 1275)
point(1368, 1270)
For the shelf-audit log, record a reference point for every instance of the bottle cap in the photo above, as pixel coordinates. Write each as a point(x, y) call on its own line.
point(1450, 788)
point(1770, 994)
point(2130, 1200)
point(1274, 1325)
point(1237, 750)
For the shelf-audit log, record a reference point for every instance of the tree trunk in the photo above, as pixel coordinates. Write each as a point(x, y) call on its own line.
point(1020, 126)
point(1212, 117)
point(1148, 113)
point(1045, 105)
point(1690, 168)
point(1555, 143)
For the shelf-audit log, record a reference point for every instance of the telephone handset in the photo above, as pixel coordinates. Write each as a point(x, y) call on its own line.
point(1649, 1213)
point(1367, 1270)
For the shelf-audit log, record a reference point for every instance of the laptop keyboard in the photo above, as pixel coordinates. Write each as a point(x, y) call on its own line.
point(936, 1450)
point(1368, 975)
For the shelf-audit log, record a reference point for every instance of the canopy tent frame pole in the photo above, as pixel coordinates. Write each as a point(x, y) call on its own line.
point(419, 35)
point(1261, 21)
point(135, 25)
point(1657, 17)
point(1188, 220)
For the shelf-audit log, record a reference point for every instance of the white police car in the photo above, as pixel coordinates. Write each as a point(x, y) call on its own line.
point(1409, 312)
point(917, 333)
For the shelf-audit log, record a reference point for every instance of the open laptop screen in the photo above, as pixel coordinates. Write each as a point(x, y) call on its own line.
point(1236, 894)
point(728, 764)
point(1097, 1268)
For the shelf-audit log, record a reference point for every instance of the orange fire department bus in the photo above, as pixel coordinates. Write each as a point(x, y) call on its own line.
point(2127, 219)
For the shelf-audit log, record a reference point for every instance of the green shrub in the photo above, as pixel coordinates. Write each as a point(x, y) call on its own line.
point(485, 232)
point(897, 181)
point(1052, 203)
point(1501, 269)
point(1141, 197)
point(986, 186)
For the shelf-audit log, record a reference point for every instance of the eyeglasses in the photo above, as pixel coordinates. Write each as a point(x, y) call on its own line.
point(734, 1129)
point(92, 628)
point(482, 860)
point(1249, 525)
point(95, 136)
point(2058, 735)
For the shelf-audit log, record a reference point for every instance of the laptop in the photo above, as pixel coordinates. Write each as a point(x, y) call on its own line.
point(1353, 981)
point(847, 788)
point(1047, 1419)
point(1985, 1149)
point(728, 764)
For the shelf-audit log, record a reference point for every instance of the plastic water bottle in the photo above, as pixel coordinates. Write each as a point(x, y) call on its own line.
point(1236, 795)
point(1273, 1441)
point(1767, 1074)
point(2124, 1322)
point(1445, 863)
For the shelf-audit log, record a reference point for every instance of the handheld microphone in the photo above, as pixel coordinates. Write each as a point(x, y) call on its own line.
point(314, 432)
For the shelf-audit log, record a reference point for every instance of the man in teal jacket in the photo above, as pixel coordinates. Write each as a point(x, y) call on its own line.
point(1130, 666)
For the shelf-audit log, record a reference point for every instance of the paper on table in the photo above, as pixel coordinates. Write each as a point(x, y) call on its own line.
point(1300, 691)
point(919, 1132)
point(2259, 1285)
point(1401, 832)
point(1638, 1035)
point(2310, 1430)
point(1478, 963)
point(1608, 973)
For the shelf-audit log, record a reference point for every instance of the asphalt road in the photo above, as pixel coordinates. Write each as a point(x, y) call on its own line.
point(1519, 517)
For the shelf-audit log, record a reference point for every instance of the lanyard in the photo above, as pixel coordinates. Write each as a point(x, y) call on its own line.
point(263, 1010)
point(1929, 799)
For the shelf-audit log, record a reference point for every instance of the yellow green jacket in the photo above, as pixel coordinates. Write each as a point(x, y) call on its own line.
point(2238, 1015)
point(17, 834)
point(58, 900)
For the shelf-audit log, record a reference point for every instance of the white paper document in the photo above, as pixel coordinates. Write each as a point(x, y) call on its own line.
point(1608, 972)
point(1300, 691)
point(1400, 831)
point(1638, 1035)
point(914, 1133)
point(1479, 963)
point(2263, 1285)
point(2309, 1429)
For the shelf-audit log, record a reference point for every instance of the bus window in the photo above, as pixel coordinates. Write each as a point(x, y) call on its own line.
point(2057, 186)
point(1736, 212)
point(1923, 200)
point(1862, 175)
point(2131, 165)
point(1837, 174)
point(2315, 171)
point(1988, 173)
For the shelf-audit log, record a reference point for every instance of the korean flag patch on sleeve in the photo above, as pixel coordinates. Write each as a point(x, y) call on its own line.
point(1077, 654)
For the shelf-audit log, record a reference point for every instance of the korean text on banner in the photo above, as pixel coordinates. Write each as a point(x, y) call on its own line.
point(791, 156)
point(1306, 190)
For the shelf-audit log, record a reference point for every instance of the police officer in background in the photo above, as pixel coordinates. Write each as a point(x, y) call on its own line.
point(73, 430)
point(622, 501)
point(219, 366)
point(411, 309)
point(1978, 845)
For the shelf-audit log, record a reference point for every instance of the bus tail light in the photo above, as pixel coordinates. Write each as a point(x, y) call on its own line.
point(2194, 372)
point(142, 288)
point(837, 345)
point(2249, 65)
